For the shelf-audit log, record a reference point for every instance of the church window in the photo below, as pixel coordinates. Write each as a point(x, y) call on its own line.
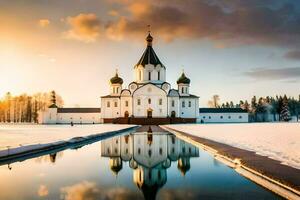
point(108, 104)
point(126, 103)
point(150, 153)
point(221, 117)
point(149, 75)
point(149, 101)
point(183, 104)
point(160, 151)
point(117, 90)
point(190, 150)
point(240, 117)
point(190, 104)
point(116, 104)
point(182, 90)
point(138, 102)
point(186, 90)
point(139, 151)
point(113, 90)
point(116, 150)
point(160, 102)
point(140, 75)
point(160, 110)
point(183, 149)
point(159, 175)
point(173, 103)
point(158, 75)
point(229, 117)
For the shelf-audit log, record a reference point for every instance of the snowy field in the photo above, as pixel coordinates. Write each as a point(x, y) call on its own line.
point(16, 135)
point(279, 141)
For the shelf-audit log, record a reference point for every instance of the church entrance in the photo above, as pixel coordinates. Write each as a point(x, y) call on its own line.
point(126, 114)
point(173, 114)
point(149, 113)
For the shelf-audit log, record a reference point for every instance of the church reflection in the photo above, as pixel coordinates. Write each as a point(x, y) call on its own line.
point(149, 156)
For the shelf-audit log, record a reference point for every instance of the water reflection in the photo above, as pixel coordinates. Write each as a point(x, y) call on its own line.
point(149, 156)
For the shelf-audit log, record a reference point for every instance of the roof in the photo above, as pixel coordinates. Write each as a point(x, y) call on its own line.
point(78, 110)
point(190, 96)
point(53, 106)
point(149, 56)
point(110, 96)
point(222, 110)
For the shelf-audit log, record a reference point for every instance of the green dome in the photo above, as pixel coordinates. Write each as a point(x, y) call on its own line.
point(183, 79)
point(116, 80)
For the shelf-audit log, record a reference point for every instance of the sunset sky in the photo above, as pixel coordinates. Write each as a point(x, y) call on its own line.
point(234, 48)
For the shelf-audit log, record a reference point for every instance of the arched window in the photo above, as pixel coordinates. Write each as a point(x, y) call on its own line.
point(158, 75)
point(116, 104)
point(126, 103)
point(160, 102)
point(149, 101)
point(117, 90)
point(138, 102)
point(182, 90)
point(183, 104)
point(140, 75)
point(108, 104)
point(190, 104)
point(149, 75)
point(186, 90)
point(173, 103)
point(113, 90)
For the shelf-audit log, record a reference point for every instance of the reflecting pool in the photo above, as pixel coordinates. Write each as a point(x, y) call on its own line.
point(139, 165)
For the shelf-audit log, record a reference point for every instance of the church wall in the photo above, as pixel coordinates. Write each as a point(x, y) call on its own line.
point(189, 110)
point(175, 107)
point(124, 107)
point(112, 111)
point(155, 94)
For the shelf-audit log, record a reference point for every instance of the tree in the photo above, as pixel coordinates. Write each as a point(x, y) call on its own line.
point(285, 112)
point(214, 103)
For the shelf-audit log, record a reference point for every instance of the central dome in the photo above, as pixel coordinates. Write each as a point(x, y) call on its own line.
point(116, 79)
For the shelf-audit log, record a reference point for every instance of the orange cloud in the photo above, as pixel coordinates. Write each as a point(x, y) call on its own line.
point(43, 191)
point(83, 27)
point(44, 23)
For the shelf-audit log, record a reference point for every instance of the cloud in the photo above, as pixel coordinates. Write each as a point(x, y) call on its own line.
point(43, 23)
point(291, 74)
point(43, 191)
point(295, 55)
point(260, 22)
point(83, 27)
point(89, 190)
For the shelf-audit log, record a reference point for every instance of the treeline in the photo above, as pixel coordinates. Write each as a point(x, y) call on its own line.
point(25, 108)
point(281, 107)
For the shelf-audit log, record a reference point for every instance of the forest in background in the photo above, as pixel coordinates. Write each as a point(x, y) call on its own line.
point(25, 108)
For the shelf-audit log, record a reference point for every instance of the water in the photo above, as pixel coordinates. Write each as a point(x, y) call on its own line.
point(134, 166)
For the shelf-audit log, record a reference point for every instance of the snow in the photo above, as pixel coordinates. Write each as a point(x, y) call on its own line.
point(16, 135)
point(279, 141)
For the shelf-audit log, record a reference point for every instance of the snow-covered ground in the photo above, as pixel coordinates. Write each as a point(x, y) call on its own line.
point(280, 141)
point(15, 135)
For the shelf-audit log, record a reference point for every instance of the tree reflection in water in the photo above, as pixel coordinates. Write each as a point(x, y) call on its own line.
point(149, 156)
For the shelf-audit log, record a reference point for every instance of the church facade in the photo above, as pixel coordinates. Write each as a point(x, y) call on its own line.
point(149, 95)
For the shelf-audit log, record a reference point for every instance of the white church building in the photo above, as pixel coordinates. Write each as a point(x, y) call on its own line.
point(149, 95)
point(149, 99)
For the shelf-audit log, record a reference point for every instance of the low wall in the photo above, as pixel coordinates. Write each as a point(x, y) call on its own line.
point(149, 121)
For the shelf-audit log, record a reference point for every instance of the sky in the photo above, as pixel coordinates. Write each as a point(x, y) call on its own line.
point(233, 48)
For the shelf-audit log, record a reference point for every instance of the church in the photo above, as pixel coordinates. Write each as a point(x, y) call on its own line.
point(148, 99)
point(149, 95)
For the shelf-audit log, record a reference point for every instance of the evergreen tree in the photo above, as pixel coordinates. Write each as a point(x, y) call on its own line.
point(285, 112)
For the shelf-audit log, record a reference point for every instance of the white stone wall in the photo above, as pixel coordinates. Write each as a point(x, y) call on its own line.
point(125, 107)
point(78, 118)
point(189, 110)
point(223, 117)
point(154, 93)
point(112, 111)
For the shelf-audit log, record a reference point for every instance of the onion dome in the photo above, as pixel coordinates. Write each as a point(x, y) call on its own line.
point(116, 79)
point(115, 165)
point(184, 165)
point(183, 79)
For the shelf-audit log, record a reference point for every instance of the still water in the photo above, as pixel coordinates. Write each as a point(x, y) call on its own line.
point(139, 165)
